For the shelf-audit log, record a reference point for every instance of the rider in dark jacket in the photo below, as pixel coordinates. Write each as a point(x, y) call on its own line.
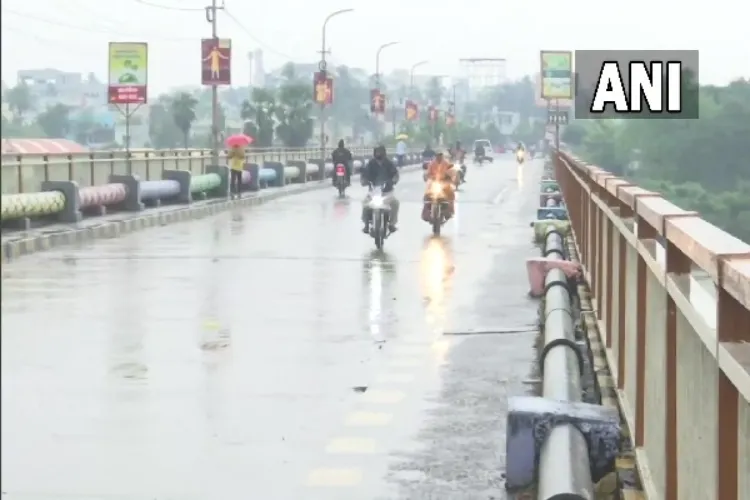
point(342, 155)
point(380, 172)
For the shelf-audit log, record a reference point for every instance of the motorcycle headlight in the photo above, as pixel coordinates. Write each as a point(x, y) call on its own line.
point(436, 189)
point(377, 201)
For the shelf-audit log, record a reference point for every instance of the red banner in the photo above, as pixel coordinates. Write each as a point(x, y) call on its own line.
point(433, 114)
point(412, 111)
point(377, 101)
point(323, 88)
point(216, 61)
point(450, 119)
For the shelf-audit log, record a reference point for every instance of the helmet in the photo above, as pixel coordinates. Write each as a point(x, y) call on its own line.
point(439, 152)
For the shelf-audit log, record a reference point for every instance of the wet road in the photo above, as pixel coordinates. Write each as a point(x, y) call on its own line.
point(273, 354)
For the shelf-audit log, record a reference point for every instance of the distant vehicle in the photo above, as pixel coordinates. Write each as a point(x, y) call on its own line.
point(487, 145)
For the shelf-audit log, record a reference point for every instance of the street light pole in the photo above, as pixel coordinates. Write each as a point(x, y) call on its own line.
point(377, 69)
point(377, 62)
point(322, 66)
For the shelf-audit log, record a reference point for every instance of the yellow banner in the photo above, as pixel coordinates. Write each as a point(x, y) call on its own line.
point(128, 72)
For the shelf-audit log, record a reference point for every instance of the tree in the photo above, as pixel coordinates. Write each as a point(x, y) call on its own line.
point(259, 116)
point(294, 111)
point(435, 91)
point(55, 121)
point(162, 130)
point(182, 109)
point(697, 164)
point(19, 100)
point(82, 125)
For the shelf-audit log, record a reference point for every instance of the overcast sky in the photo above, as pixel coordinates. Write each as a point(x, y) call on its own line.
point(72, 35)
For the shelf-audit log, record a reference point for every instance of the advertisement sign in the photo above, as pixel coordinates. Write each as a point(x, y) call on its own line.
point(322, 88)
point(216, 61)
point(557, 74)
point(545, 103)
point(433, 114)
point(412, 111)
point(128, 73)
point(377, 101)
point(449, 119)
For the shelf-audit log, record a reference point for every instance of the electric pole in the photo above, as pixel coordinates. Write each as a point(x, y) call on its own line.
point(211, 18)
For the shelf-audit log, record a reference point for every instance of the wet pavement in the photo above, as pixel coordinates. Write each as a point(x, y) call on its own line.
point(272, 353)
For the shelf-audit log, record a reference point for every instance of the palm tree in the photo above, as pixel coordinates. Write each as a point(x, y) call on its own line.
point(435, 91)
point(294, 110)
point(259, 115)
point(182, 109)
point(19, 101)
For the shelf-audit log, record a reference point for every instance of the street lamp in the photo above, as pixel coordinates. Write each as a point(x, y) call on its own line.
point(323, 66)
point(325, 23)
point(377, 62)
point(411, 76)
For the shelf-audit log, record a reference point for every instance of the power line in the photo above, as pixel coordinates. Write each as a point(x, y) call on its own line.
point(89, 29)
point(169, 7)
point(255, 38)
point(48, 42)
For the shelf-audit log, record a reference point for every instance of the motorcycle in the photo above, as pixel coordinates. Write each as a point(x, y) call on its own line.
point(379, 216)
point(340, 181)
point(438, 207)
point(520, 157)
point(460, 176)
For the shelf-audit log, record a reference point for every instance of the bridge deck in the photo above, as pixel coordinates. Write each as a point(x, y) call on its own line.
point(219, 358)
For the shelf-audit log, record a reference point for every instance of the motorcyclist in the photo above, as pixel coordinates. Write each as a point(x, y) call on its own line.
point(442, 171)
point(520, 152)
point(458, 153)
point(380, 171)
point(428, 154)
point(342, 155)
point(479, 151)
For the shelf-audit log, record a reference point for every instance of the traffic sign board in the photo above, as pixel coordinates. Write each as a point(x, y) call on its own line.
point(557, 117)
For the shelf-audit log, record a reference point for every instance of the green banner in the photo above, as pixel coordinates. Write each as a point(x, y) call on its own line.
point(557, 74)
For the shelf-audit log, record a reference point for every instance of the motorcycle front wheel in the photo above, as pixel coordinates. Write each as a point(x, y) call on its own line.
point(378, 228)
point(436, 218)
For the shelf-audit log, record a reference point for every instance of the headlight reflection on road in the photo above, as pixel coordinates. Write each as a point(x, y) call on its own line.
point(436, 274)
point(519, 175)
point(376, 298)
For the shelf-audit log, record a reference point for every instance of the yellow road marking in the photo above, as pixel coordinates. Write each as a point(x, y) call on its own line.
point(395, 378)
point(383, 396)
point(406, 362)
point(368, 419)
point(411, 349)
point(334, 477)
point(352, 445)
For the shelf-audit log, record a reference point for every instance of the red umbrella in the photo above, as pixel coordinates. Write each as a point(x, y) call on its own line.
point(239, 141)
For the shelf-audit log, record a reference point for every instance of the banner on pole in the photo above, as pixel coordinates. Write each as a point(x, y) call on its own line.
point(450, 119)
point(323, 88)
point(412, 110)
point(128, 73)
point(433, 114)
point(216, 61)
point(377, 101)
point(556, 74)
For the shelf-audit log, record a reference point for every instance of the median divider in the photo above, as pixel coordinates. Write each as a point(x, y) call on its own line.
point(562, 444)
point(552, 211)
point(65, 213)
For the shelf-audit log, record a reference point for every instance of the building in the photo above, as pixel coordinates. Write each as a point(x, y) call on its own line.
point(50, 86)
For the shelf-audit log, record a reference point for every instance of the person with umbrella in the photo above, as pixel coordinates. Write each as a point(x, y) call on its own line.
point(401, 149)
point(236, 156)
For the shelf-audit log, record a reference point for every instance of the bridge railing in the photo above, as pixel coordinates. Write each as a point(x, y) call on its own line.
point(671, 295)
point(26, 173)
